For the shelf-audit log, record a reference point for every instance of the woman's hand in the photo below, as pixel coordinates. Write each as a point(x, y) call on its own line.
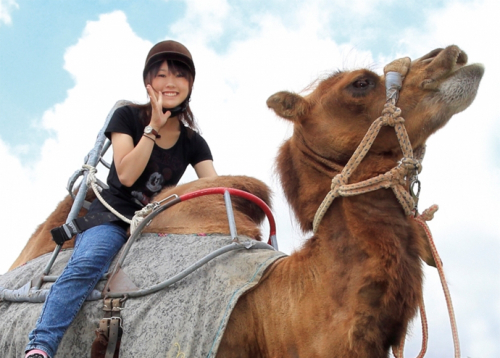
point(158, 118)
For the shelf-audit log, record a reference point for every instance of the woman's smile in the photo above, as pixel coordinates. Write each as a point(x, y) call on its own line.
point(170, 94)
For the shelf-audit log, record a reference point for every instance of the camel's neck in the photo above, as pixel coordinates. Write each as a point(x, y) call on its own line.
point(360, 264)
point(306, 179)
point(364, 256)
point(359, 276)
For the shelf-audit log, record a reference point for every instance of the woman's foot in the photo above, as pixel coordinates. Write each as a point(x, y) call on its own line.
point(36, 353)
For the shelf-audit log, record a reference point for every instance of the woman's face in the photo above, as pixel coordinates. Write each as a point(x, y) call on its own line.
point(174, 87)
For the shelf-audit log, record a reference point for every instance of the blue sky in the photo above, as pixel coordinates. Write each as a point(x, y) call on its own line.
point(63, 65)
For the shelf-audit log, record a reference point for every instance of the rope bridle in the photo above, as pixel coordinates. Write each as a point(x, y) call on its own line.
point(399, 178)
point(402, 179)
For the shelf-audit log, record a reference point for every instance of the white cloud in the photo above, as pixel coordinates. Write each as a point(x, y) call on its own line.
point(6, 8)
point(203, 22)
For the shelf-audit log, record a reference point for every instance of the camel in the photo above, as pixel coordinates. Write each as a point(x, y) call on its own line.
point(356, 283)
point(354, 286)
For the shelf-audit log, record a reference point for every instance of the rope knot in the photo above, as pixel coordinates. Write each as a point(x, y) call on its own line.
point(140, 215)
point(391, 115)
point(411, 164)
point(92, 171)
point(397, 175)
point(337, 181)
point(89, 168)
point(428, 214)
point(390, 108)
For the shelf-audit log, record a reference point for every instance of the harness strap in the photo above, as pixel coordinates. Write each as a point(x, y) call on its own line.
point(114, 328)
point(108, 335)
point(65, 232)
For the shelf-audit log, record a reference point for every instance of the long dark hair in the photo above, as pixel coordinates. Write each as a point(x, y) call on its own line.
point(176, 67)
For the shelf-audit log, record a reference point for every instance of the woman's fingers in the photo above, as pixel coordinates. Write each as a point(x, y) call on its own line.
point(151, 93)
point(158, 117)
point(155, 97)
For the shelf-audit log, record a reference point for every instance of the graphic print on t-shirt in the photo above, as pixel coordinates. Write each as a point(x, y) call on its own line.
point(154, 183)
point(158, 173)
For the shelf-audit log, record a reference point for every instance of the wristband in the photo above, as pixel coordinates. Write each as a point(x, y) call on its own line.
point(151, 130)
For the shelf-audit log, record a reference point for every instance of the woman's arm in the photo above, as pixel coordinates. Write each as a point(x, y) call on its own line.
point(205, 169)
point(130, 161)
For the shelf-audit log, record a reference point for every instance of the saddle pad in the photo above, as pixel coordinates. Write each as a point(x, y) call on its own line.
point(186, 319)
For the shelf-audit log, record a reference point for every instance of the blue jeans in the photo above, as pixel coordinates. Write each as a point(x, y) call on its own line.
point(92, 255)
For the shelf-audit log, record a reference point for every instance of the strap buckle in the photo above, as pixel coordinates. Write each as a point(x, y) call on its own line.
point(65, 232)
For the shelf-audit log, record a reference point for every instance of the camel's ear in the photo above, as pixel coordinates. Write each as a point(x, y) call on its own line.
point(288, 105)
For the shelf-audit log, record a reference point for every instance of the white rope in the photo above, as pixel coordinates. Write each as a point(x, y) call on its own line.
point(139, 215)
point(91, 181)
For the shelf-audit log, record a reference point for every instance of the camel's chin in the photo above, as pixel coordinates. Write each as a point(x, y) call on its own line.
point(459, 90)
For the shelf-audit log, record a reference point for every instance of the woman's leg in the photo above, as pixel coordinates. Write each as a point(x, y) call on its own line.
point(92, 255)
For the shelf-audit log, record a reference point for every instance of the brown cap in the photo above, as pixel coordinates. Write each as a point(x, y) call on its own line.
point(168, 50)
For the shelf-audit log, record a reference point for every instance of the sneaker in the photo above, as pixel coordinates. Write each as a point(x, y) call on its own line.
point(36, 353)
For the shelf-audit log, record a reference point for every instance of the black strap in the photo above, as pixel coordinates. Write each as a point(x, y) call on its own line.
point(65, 232)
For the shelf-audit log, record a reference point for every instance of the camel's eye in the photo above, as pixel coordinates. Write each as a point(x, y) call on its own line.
point(361, 86)
point(363, 83)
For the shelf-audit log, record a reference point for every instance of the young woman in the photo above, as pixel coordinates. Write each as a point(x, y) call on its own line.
point(151, 149)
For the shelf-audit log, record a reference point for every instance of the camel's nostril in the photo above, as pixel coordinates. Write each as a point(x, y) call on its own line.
point(431, 55)
point(462, 58)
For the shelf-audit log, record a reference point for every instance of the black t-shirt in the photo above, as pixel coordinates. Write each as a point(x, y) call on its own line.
point(165, 166)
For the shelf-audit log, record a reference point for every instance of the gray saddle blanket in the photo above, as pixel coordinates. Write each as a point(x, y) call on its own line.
point(186, 319)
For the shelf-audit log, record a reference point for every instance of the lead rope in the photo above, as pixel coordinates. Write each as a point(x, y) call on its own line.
point(398, 351)
point(421, 219)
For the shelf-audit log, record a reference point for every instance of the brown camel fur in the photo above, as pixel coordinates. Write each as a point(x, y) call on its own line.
point(206, 214)
point(355, 285)
point(41, 241)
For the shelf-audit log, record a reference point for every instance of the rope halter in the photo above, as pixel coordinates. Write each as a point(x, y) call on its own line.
point(397, 178)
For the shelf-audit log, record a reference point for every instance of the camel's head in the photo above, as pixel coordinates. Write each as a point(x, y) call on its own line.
point(332, 120)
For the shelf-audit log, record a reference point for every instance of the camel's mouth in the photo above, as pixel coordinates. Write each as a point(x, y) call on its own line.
point(474, 69)
point(459, 90)
point(447, 73)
